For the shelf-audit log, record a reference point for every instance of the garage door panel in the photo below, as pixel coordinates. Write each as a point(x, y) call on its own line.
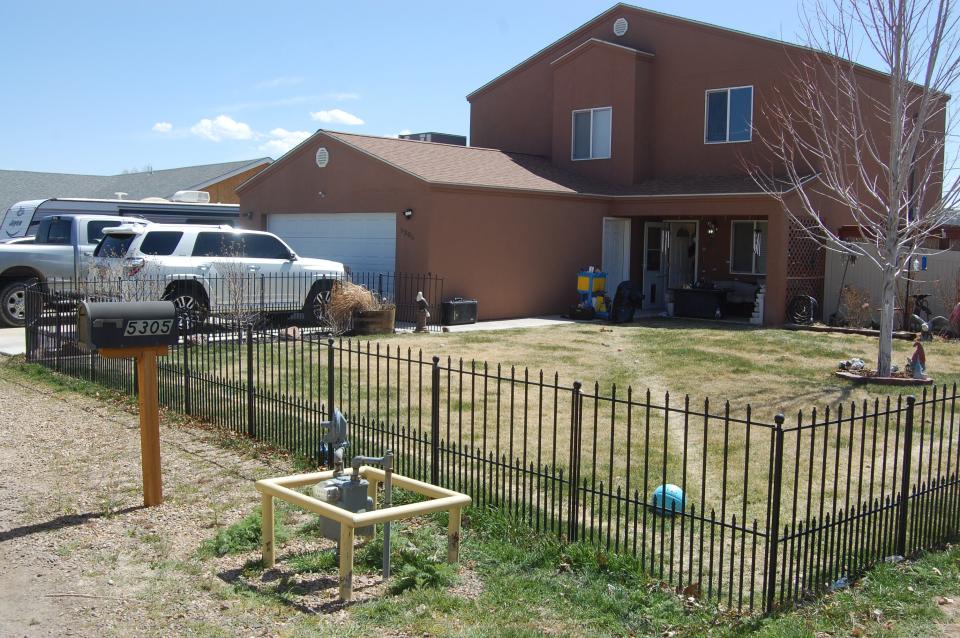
point(366, 242)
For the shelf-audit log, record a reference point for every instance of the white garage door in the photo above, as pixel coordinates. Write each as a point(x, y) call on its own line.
point(365, 242)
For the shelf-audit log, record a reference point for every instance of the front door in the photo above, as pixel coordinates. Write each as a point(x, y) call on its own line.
point(616, 252)
point(654, 266)
point(682, 260)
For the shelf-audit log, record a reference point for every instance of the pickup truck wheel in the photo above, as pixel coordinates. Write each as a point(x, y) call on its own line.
point(13, 298)
point(191, 306)
point(315, 308)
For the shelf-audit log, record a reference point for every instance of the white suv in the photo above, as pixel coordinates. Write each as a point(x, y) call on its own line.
point(218, 269)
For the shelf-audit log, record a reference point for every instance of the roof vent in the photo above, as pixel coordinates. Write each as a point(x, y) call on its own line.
point(620, 26)
point(323, 156)
point(191, 197)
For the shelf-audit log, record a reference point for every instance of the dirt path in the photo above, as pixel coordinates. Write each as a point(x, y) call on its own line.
point(79, 556)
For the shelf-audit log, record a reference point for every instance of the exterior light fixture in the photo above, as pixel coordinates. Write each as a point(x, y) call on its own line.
point(248, 214)
point(408, 213)
point(711, 227)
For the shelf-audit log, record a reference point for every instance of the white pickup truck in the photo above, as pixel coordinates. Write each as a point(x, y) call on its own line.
point(57, 253)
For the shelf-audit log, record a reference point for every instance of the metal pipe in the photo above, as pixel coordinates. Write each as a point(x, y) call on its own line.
point(387, 502)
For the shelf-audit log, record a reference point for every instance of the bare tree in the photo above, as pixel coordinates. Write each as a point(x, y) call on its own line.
point(841, 134)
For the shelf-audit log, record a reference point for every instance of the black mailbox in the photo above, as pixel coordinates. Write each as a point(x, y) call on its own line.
point(137, 324)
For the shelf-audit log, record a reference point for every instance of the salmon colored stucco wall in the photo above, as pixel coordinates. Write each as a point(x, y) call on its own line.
point(624, 86)
point(517, 254)
point(350, 183)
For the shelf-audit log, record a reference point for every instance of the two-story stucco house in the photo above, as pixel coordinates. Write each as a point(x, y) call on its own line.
point(622, 145)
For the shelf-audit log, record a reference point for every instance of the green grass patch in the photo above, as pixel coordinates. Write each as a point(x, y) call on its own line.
point(244, 535)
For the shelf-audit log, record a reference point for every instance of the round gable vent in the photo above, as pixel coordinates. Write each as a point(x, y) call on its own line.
point(620, 26)
point(323, 156)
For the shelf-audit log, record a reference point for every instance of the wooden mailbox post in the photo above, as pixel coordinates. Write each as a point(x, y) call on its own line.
point(142, 331)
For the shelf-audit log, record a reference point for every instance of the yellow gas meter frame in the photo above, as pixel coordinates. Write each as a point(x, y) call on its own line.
point(284, 488)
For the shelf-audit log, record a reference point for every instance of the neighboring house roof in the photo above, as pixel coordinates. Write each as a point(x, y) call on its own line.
point(491, 168)
point(17, 186)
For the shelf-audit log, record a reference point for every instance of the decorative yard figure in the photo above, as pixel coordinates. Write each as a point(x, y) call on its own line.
point(422, 313)
point(917, 363)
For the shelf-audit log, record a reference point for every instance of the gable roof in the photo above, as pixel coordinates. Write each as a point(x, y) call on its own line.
point(570, 37)
point(17, 186)
point(487, 168)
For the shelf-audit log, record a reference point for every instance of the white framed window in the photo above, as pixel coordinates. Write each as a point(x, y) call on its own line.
point(592, 131)
point(728, 115)
point(748, 247)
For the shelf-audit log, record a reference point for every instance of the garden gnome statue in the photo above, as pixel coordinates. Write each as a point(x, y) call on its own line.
point(422, 313)
point(917, 363)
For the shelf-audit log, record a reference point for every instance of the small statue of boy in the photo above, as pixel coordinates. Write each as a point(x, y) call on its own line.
point(917, 363)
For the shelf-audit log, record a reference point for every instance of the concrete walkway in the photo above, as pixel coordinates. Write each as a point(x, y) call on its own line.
point(12, 341)
point(510, 324)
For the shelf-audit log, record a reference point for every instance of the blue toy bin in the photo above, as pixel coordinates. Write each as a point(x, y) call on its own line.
point(668, 499)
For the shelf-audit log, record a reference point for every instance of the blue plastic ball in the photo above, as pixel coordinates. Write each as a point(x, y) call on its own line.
point(668, 499)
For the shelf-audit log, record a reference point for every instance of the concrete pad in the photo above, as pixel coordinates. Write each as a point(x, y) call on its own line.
point(510, 324)
point(12, 341)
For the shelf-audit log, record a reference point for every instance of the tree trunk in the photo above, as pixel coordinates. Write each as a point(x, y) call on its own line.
point(887, 305)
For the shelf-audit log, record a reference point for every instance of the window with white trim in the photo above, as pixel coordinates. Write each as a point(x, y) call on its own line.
point(728, 115)
point(748, 247)
point(592, 134)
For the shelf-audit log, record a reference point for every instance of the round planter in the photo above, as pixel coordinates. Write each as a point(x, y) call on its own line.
point(860, 378)
point(374, 322)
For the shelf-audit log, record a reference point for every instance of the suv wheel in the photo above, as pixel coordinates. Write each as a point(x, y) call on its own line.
point(191, 306)
point(315, 308)
point(13, 298)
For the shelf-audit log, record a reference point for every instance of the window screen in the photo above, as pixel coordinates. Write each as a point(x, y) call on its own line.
point(600, 140)
point(717, 116)
point(741, 107)
point(160, 242)
point(581, 135)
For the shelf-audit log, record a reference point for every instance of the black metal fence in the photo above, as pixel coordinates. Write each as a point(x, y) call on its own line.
point(771, 513)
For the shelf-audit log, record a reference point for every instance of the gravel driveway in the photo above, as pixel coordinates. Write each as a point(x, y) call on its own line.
point(79, 555)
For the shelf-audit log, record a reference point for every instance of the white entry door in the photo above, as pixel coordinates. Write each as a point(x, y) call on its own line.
point(654, 266)
point(616, 252)
point(365, 242)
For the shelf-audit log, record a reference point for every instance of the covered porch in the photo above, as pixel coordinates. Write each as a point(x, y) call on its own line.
point(700, 259)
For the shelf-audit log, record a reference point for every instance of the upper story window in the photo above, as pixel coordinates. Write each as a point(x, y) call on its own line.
point(729, 115)
point(592, 129)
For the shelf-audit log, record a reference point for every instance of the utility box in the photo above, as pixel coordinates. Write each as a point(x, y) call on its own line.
point(458, 311)
point(139, 324)
point(347, 493)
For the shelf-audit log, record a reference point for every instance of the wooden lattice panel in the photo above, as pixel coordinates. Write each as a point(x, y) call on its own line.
point(805, 263)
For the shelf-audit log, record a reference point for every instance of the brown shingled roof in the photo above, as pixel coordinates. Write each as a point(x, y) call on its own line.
point(492, 168)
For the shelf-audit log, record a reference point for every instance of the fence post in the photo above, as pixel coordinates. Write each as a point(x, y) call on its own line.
point(774, 531)
point(905, 479)
point(59, 346)
point(435, 422)
point(573, 497)
point(251, 417)
point(187, 394)
point(330, 394)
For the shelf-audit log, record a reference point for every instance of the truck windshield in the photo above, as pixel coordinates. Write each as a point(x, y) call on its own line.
point(114, 245)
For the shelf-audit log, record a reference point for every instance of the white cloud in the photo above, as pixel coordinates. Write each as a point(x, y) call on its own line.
point(405, 131)
point(278, 82)
point(163, 127)
point(343, 96)
point(222, 127)
point(281, 140)
point(336, 116)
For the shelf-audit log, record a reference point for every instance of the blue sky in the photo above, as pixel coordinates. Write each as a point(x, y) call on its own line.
point(99, 87)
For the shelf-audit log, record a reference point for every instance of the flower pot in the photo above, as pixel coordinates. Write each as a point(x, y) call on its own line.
point(374, 322)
